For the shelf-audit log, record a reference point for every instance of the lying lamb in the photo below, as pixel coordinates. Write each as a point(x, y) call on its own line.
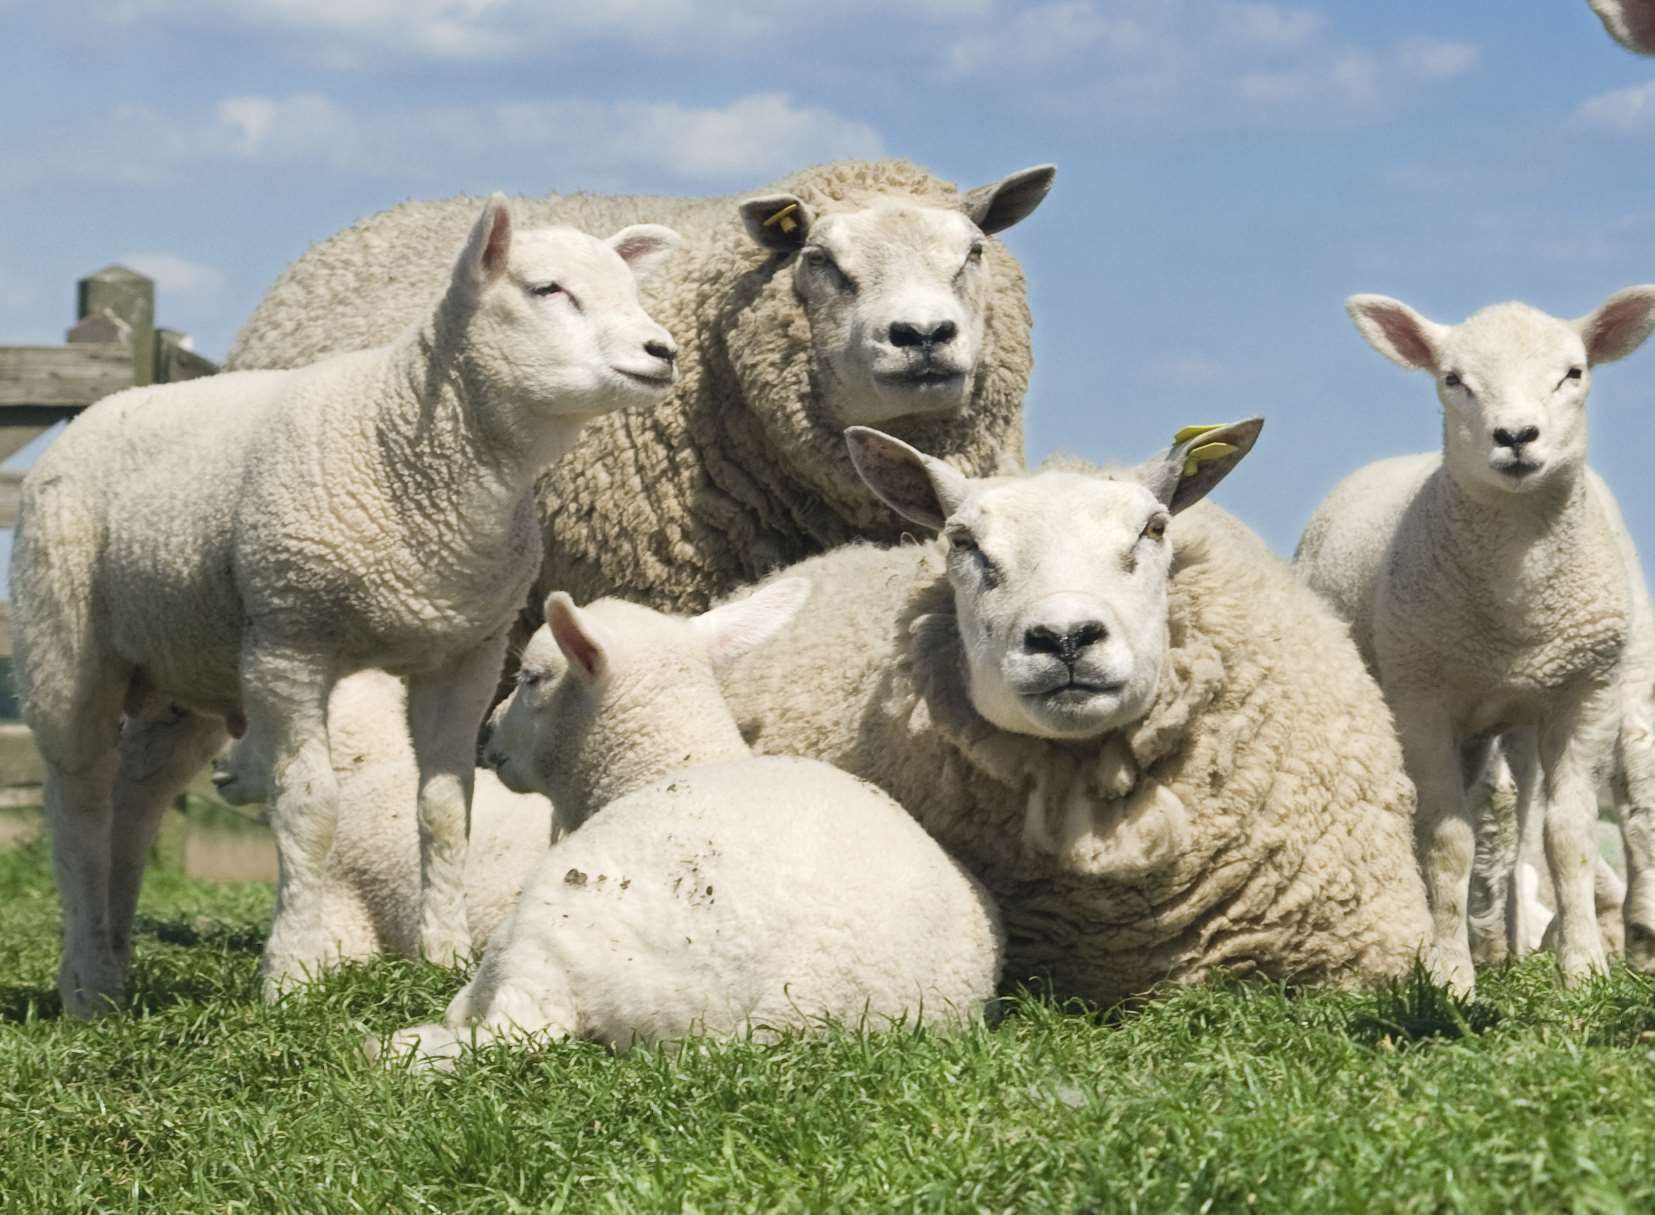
point(1160, 753)
point(226, 549)
point(1489, 590)
point(712, 892)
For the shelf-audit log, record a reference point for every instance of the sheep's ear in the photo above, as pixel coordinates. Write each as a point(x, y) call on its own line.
point(915, 485)
point(778, 222)
point(1396, 330)
point(733, 629)
point(1013, 198)
point(1619, 326)
point(1199, 458)
point(646, 248)
point(1629, 22)
point(573, 631)
point(488, 248)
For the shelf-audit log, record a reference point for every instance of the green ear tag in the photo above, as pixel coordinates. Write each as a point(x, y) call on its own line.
point(1206, 453)
point(784, 218)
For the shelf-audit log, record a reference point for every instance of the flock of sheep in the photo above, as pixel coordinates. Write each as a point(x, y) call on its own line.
point(795, 764)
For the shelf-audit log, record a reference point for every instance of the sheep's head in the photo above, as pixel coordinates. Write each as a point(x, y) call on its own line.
point(613, 695)
point(551, 316)
point(1060, 578)
point(1629, 22)
point(895, 293)
point(1512, 380)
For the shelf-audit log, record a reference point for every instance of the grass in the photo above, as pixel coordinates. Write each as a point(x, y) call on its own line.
point(1227, 1097)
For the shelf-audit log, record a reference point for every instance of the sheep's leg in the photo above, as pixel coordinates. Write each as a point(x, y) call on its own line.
point(1445, 838)
point(1526, 919)
point(1489, 791)
point(285, 698)
point(1635, 778)
point(1568, 745)
point(158, 757)
point(445, 709)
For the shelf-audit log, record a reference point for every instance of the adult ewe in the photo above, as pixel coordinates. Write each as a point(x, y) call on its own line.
point(1629, 22)
point(227, 549)
point(856, 292)
point(713, 892)
point(1489, 590)
point(1157, 750)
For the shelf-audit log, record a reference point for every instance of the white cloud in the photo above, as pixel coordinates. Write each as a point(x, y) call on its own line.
point(1629, 109)
point(1269, 25)
point(1052, 33)
point(1437, 59)
point(1193, 371)
point(176, 275)
point(1350, 81)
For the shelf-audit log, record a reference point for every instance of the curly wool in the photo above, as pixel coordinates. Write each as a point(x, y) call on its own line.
point(1256, 820)
point(741, 471)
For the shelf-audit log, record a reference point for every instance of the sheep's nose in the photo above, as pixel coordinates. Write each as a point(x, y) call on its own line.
point(1065, 641)
point(1516, 439)
point(665, 351)
point(910, 333)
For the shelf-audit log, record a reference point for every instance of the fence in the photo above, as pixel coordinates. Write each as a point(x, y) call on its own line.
point(113, 344)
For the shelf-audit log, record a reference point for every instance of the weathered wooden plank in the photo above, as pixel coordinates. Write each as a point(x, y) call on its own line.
point(20, 763)
point(20, 425)
point(131, 297)
point(73, 375)
point(174, 361)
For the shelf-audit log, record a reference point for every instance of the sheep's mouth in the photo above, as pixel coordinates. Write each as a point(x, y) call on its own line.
point(928, 377)
point(1517, 470)
point(650, 381)
point(1077, 691)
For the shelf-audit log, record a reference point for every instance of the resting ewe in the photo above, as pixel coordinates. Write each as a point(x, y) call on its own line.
point(1489, 591)
point(1159, 753)
point(713, 892)
point(852, 292)
point(227, 549)
point(1629, 22)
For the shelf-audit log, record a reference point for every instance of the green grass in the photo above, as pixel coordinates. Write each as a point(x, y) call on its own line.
point(1226, 1097)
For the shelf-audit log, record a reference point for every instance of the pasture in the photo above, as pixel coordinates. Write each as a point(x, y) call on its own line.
point(1227, 1097)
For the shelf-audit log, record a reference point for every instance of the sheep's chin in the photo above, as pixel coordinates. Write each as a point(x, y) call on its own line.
point(903, 397)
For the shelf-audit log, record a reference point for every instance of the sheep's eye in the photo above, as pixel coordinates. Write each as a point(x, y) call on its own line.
point(1452, 380)
point(816, 256)
point(545, 289)
point(529, 679)
point(1575, 373)
point(976, 254)
point(1156, 528)
point(963, 542)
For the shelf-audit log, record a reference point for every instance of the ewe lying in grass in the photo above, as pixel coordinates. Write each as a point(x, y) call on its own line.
point(706, 890)
point(226, 550)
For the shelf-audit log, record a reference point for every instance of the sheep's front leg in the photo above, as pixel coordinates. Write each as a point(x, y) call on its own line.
point(1526, 919)
point(445, 709)
point(285, 697)
point(1636, 780)
point(1445, 839)
point(1569, 744)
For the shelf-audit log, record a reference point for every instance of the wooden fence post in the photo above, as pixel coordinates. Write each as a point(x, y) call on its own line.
point(130, 297)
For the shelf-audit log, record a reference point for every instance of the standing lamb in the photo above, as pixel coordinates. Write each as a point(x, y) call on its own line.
point(854, 292)
point(225, 550)
point(1158, 751)
point(1489, 590)
point(1629, 22)
point(713, 892)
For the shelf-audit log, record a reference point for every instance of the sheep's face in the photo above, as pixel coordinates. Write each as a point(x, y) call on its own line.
point(1060, 592)
point(1059, 579)
point(896, 293)
point(613, 695)
point(1512, 381)
point(553, 319)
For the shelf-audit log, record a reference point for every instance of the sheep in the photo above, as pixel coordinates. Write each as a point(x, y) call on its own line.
point(851, 292)
point(1159, 752)
point(1629, 22)
point(220, 552)
point(703, 890)
point(1489, 591)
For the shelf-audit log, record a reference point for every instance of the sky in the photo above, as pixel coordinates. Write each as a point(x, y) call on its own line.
point(1228, 171)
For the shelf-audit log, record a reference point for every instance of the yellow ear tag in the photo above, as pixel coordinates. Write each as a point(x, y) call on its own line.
point(784, 218)
point(1207, 453)
point(1189, 432)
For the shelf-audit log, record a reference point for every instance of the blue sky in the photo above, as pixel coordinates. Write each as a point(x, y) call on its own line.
point(1228, 172)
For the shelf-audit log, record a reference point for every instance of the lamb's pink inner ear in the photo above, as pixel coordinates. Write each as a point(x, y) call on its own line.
point(497, 248)
point(584, 652)
point(1620, 326)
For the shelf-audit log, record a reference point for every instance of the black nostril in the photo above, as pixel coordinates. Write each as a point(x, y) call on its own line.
point(1085, 634)
point(661, 351)
point(1506, 438)
point(904, 334)
point(944, 332)
point(1041, 640)
point(1067, 644)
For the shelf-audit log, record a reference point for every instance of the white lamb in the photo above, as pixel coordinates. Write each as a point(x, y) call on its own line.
point(225, 550)
point(712, 891)
point(1488, 590)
